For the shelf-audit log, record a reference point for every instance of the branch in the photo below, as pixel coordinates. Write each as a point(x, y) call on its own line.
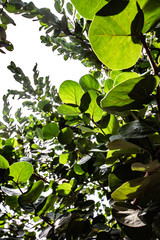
point(154, 67)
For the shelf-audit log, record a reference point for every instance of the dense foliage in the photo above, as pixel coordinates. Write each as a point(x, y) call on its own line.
point(84, 162)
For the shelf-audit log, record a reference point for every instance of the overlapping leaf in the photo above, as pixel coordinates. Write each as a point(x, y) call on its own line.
point(130, 94)
point(88, 8)
point(110, 35)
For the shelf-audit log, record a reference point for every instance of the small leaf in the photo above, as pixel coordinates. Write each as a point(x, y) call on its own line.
point(64, 157)
point(64, 189)
point(88, 82)
point(70, 92)
point(65, 136)
point(4, 164)
point(50, 130)
point(21, 171)
point(77, 169)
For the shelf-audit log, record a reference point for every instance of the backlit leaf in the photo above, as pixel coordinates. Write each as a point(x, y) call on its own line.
point(88, 8)
point(33, 194)
point(4, 164)
point(130, 94)
point(88, 82)
point(110, 35)
point(70, 92)
point(21, 171)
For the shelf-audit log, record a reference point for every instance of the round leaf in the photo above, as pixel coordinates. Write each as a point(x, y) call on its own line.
point(111, 37)
point(4, 164)
point(88, 82)
point(50, 130)
point(88, 8)
point(21, 171)
point(70, 92)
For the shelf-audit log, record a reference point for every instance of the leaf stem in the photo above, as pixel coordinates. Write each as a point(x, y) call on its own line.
point(155, 69)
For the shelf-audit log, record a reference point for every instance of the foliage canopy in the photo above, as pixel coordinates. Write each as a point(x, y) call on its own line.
point(85, 162)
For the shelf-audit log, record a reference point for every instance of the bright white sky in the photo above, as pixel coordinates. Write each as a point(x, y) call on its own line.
point(28, 50)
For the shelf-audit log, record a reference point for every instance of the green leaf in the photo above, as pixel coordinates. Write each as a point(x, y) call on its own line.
point(12, 201)
point(39, 133)
point(88, 8)
point(64, 189)
point(112, 126)
point(125, 76)
point(85, 101)
point(128, 190)
point(64, 157)
point(88, 82)
point(151, 11)
point(7, 19)
point(94, 110)
point(50, 130)
point(149, 167)
point(65, 136)
point(114, 182)
point(130, 94)
point(69, 7)
point(70, 92)
point(21, 171)
point(127, 214)
point(4, 164)
point(143, 187)
point(77, 169)
point(110, 35)
point(47, 204)
point(108, 85)
point(122, 144)
point(33, 194)
point(136, 129)
point(68, 110)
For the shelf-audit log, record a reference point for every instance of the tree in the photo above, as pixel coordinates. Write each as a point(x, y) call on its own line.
point(96, 137)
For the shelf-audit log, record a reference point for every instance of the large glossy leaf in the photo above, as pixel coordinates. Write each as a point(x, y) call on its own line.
point(136, 129)
point(88, 8)
point(70, 92)
point(21, 171)
point(50, 130)
point(88, 82)
point(127, 214)
point(4, 164)
point(130, 94)
point(110, 34)
point(94, 110)
point(33, 194)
